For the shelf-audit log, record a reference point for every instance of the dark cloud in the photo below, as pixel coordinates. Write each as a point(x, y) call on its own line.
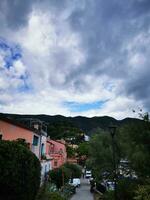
point(15, 12)
point(106, 28)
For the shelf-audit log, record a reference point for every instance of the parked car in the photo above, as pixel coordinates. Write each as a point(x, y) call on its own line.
point(110, 185)
point(88, 174)
point(75, 182)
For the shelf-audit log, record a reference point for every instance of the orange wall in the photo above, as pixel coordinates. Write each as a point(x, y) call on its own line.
point(12, 132)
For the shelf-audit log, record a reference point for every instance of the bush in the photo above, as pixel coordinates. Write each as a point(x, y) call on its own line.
point(59, 176)
point(142, 193)
point(68, 190)
point(55, 196)
point(75, 170)
point(45, 193)
point(126, 188)
point(19, 172)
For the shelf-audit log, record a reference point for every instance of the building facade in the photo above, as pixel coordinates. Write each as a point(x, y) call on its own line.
point(34, 136)
point(56, 150)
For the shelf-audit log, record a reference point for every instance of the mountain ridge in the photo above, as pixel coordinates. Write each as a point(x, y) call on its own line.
point(86, 124)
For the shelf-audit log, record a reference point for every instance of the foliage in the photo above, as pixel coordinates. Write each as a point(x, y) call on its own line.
point(59, 126)
point(68, 190)
point(62, 129)
point(79, 138)
point(22, 142)
point(144, 116)
point(126, 188)
point(109, 195)
point(83, 149)
point(143, 192)
point(100, 151)
point(75, 170)
point(60, 176)
point(54, 196)
point(135, 142)
point(70, 151)
point(131, 144)
point(46, 193)
point(19, 172)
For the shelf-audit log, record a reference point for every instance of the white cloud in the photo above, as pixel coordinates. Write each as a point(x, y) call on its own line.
point(55, 61)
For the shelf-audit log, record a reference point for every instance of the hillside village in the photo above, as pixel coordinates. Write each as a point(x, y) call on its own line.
point(52, 154)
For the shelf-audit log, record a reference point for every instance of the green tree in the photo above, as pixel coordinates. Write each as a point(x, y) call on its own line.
point(83, 152)
point(100, 151)
point(19, 172)
point(70, 151)
point(60, 176)
point(135, 140)
point(143, 192)
point(83, 149)
point(75, 170)
point(46, 194)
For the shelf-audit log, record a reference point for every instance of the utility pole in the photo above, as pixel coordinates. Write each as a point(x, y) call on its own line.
point(113, 132)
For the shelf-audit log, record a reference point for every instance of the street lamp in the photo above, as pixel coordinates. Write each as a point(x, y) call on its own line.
point(112, 130)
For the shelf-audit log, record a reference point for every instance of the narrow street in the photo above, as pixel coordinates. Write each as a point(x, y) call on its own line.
point(83, 192)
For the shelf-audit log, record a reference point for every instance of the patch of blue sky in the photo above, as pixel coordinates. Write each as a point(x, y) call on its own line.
point(82, 107)
point(24, 88)
point(3, 45)
point(26, 85)
point(11, 53)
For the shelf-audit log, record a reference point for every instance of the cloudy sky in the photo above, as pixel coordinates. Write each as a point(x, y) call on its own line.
point(75, 57)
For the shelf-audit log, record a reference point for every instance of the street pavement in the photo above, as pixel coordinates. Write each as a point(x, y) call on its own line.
point(83, 192)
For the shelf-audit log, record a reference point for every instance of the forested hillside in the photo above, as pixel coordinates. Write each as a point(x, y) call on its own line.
point(61, 126)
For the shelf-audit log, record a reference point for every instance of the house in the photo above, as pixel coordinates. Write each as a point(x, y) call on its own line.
point(56, 150)
point(11, 130)
point(34, 136)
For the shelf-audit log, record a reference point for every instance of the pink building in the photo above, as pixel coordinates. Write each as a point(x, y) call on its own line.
point(57, 151)
point(35, 137)
point(10, 130)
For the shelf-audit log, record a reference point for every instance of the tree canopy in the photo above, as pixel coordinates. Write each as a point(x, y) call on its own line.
point(19, 172)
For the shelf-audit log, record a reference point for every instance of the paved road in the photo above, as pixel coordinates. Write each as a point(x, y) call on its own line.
point(83, 193)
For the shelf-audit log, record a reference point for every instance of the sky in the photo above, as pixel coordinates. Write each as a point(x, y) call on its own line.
point(71, 57)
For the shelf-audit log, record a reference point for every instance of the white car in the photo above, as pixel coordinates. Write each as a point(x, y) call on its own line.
point(75, 182)
point(88, 174)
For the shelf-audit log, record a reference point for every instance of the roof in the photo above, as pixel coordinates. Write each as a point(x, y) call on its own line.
point(13, 122)
point(55, 141)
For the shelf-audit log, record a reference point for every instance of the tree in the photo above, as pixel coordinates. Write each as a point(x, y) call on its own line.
point(135, 140)
point(100, 154)
point(70, 151)
point(75, 170)
point(60, 176)
point(83, 149)
point(19, 172)
point(83, 152)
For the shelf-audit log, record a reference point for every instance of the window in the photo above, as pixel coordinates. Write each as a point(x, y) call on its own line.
point(42, 150)
point(55, 163)
point(35, 140)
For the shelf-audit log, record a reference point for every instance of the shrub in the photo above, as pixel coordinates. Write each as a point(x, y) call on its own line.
point(19, 172)
point(68, 190)
point(55, 196)
point(59, 176)
point(126, 188)
point(142, 193)
point(75, 170)
point(45, 193)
